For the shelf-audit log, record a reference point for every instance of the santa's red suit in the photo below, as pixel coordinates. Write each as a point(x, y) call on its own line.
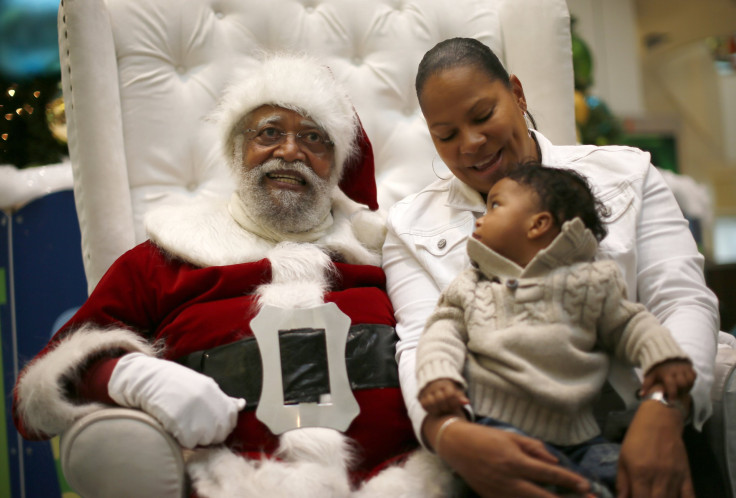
point(196, 284)
point(153, 295)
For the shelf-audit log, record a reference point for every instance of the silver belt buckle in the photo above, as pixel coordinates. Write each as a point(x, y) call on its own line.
point(339, 411)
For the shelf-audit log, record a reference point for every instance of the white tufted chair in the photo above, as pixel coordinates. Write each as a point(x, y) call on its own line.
point(139, 78)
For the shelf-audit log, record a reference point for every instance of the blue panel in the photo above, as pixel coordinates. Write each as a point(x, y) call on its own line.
point(49, 279)
point(48, 267)
point(9, 455)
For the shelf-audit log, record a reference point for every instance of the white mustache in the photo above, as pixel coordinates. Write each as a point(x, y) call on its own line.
point(278, 164)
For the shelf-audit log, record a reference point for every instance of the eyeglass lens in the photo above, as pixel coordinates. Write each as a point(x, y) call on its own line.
point(312, 139)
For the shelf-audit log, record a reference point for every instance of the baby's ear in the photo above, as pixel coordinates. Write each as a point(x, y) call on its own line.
point(542, 224)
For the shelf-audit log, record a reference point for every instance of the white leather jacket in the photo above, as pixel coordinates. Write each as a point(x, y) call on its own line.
point(647, 236)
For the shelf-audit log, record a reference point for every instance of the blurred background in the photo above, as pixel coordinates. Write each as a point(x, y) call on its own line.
point(661, 75)
point(665, 71)
point(656, 74)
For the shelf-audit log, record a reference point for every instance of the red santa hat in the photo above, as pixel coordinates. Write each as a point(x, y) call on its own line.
point(303, 84)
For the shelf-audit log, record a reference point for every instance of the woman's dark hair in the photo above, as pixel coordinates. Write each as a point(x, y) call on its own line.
point(565, 193)
point(461, 52)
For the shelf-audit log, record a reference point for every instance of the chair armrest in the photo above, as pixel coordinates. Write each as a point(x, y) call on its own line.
point(720, 429)
point(119, 452)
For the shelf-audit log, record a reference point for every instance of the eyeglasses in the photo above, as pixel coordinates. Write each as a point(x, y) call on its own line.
point(312, 139)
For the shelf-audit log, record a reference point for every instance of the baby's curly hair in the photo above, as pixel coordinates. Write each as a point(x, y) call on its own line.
point(565, 193)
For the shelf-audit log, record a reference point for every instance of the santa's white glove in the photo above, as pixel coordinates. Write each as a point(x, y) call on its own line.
point(189, 405)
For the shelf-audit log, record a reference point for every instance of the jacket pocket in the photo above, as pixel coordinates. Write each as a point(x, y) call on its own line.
point(442, 251)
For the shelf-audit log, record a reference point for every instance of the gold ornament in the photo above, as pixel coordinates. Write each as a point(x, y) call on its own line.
point(56, 119)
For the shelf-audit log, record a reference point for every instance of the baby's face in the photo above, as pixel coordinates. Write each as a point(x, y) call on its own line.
point(509, 216)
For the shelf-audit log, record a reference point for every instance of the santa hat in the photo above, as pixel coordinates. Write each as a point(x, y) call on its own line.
point(303, 84)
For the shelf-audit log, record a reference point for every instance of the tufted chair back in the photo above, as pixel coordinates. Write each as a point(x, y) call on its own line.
point(140, 78)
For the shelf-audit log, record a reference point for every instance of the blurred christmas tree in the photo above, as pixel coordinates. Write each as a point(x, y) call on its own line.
point(595, 123)
point(31, 109)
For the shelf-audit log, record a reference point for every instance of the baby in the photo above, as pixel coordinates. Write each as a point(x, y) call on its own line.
point(528, 331)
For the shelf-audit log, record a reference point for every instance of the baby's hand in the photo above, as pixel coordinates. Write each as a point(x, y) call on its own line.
point(442, 397)
point(675, 376)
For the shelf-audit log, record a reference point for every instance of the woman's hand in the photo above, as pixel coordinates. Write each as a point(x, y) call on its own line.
point(653, 462)
point(499, 464)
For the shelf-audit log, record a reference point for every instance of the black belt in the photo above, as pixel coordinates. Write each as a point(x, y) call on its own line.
point(236, 367)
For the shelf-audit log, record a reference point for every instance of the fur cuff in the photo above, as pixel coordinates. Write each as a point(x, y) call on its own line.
point(42, 403)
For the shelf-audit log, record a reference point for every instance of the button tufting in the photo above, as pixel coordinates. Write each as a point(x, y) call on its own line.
point(309, 9)
point(441, 243)
point(192, 186)
point(408, 111)
point(512, 283)
point(357, 60)
point(181, 69)
point(219, 15)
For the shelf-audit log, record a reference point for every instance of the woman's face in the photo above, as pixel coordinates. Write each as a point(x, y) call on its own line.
point(476, 123)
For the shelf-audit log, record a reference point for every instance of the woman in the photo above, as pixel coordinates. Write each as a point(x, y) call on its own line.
point(476, 115)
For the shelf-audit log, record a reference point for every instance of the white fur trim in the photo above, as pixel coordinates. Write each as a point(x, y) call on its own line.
point(297, 82)
point(314, 465)
point(297, 262)
point(205, 234)
point(295, 295)
point(299, 276)
point(319, 445)
point(370, 228)
point(422, 475)
point(42, 404)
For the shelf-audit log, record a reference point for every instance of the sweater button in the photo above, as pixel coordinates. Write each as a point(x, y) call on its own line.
point(512, 283)
point(441, 244)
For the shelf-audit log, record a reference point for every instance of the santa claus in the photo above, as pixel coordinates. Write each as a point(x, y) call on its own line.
point(170, 328)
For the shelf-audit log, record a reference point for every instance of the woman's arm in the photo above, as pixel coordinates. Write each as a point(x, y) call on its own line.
point(653, 462)
point(414, 295)
point(670, 283)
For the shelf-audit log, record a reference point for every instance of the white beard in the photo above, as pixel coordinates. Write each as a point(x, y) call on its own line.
point(286, 210)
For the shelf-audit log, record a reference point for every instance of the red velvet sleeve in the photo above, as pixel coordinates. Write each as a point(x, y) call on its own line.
point(92, 385)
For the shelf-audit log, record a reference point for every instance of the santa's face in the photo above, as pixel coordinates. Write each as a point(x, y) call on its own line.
point(286, 178)
point(277, 133)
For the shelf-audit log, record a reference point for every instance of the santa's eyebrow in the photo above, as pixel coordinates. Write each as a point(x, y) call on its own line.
point(276, 119)
point(268, 120)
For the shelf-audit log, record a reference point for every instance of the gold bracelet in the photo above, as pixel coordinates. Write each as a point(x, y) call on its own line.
point(447, 423)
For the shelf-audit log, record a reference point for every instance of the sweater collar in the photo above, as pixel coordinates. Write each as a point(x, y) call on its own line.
point(574, 244)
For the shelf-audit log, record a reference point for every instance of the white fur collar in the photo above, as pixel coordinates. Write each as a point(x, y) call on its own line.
point(204, 233)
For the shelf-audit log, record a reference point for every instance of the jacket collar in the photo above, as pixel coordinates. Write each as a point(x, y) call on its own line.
point(464, 198)
point(561, 156)
point(574, 244)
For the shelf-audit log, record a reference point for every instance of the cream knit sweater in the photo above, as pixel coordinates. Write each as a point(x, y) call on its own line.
point(531, 345)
